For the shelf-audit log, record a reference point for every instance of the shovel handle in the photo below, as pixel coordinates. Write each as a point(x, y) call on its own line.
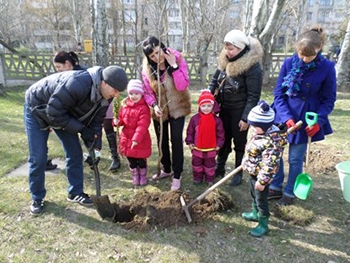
point(307, 151)
point(297, 125)
point(214, 186)
point(232, 173)
point(95, 168)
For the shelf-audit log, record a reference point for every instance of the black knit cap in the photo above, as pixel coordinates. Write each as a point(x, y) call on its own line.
point(115, 77)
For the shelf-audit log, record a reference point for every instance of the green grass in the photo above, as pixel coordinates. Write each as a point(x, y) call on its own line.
point(71, 233)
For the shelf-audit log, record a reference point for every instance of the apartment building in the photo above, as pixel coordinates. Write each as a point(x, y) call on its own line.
point(131, 21)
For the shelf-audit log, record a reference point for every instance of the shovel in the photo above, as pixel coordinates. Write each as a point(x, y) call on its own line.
point(310, 119)
point(186, 208)
point(303, 182)
point(103, 205)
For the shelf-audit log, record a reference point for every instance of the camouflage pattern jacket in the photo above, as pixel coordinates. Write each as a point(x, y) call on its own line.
point(263, 154)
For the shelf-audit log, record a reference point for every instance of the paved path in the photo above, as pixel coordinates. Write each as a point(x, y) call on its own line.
point(23, 169)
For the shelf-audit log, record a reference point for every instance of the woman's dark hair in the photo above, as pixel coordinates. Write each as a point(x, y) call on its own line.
point(148, 46)
point(63, 56)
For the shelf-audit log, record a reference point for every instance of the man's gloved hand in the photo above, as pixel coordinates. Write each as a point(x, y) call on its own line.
point(87, 135)
point(88, 159)
point(311, 131)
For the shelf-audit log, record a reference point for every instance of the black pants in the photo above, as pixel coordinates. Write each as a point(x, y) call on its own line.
point(231, 119)
point(260, 197)
point(107, 126)
point(137, 162)
point(176, 130)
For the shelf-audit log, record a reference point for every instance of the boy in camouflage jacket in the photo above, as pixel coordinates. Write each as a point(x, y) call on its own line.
point(261, 161)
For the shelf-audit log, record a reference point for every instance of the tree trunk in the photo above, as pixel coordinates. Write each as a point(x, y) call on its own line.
point(184, 25)
point(343, 64)
point(266, 37)
point(264, 27)
point(99, 33)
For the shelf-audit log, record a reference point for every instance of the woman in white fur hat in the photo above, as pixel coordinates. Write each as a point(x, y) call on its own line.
point(237, 87)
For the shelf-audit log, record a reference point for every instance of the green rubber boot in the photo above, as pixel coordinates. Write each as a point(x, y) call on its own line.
point(262, 228)
point(253, 215)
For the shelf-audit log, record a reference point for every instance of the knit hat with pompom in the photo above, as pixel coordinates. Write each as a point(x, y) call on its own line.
point(206, 97)
point(261, 116)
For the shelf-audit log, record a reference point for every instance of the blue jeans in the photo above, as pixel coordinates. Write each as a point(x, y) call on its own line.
point(37, 144)
point(295, 159)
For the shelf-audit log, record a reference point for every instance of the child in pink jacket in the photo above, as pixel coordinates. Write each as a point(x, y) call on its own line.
point(205, 136)
point(135, 140)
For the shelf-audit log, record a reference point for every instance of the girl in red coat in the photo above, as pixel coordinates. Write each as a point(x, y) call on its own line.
point(135, 140)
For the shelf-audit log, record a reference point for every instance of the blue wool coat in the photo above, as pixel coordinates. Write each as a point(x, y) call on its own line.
point(317, 94)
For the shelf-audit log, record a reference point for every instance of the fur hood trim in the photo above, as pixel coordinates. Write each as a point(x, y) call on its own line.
point(236, 68)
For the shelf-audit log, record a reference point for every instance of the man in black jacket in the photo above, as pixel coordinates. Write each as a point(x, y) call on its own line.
point(70, 103)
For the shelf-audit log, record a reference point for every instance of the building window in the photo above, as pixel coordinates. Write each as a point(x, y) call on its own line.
point(323, 16)
point(309, 16)
point(174, 25)
point(234, 14)
point(281, 41)
point(146, 21)
point(326, 2)
point(174, 12)
point(129, 15)
point(311, 2)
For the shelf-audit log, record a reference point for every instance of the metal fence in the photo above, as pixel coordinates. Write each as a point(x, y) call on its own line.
point(22, 69)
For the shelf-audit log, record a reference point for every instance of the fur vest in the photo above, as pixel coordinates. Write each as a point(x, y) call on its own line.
point(174, 103)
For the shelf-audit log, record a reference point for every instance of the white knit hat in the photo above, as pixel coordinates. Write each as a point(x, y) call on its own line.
point(136, 86)
point(237, 38)
point(261, 116)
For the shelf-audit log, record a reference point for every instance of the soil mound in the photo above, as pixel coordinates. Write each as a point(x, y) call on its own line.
point(162, 210)
point(322, 161)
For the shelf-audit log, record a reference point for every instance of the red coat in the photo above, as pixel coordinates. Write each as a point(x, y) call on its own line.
point(135, 118)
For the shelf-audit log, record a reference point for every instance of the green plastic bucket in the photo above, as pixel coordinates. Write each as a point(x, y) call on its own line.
point(302, 186)
point(344, 176)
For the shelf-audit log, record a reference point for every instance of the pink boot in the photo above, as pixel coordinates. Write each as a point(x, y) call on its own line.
point(162, 175)
point(176, 184)
point(135, 176)
point(143, 176)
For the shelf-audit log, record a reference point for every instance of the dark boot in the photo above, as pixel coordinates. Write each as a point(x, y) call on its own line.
point(221, 162)
point(112, 141)
point(237, 179)
point(253, 215)
point(262, 228)
point(50, 166)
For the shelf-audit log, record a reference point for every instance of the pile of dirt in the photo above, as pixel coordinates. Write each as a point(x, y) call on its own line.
point(322, 161)
point(163, 209)
point(294, 215)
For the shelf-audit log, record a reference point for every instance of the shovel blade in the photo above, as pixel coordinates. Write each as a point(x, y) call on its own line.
point(302, 186)
point(104, 207)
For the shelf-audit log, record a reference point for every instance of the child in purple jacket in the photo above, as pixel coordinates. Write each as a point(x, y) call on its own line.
point(205, 136)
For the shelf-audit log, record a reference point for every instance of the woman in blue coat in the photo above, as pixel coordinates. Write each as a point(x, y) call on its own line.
point(306, 83)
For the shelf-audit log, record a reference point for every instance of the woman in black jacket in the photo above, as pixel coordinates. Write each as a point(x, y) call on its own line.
point(236, 85)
